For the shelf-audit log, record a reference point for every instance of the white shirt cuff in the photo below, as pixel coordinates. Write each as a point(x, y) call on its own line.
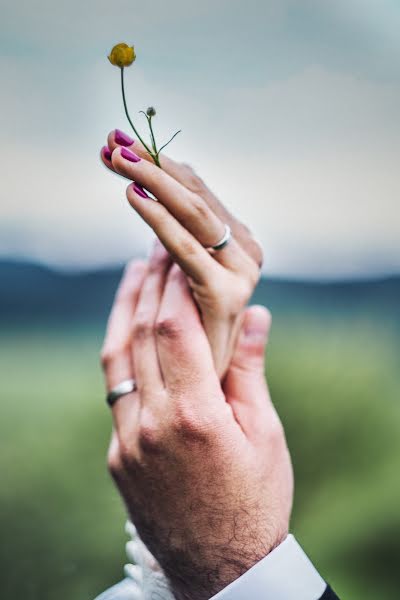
point(285, 574)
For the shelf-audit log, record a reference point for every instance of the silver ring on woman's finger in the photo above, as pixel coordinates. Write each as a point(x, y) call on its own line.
point(122, 389)
point(224, 241)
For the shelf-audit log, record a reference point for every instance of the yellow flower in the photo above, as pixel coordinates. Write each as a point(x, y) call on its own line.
point(122, 55)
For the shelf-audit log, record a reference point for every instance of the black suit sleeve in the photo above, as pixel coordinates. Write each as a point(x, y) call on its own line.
point(329, 594)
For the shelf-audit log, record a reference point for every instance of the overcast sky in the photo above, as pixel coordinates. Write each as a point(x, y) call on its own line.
point(290, 110)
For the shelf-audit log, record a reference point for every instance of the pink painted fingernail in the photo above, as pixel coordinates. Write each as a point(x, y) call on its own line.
point(140, 191)
point(131, 156)
point(122, 139)
point(106, 152)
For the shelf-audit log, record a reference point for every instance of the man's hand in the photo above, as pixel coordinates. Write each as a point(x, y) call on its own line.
point(204, 469)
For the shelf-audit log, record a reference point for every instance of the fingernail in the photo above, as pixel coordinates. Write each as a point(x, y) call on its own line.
point(131, 156)
point(106, 152)
point(122, 138)
point(140, 191)
point(251, 333)
point(257, 323)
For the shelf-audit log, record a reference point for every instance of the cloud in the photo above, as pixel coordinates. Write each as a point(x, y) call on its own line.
point(307, 154)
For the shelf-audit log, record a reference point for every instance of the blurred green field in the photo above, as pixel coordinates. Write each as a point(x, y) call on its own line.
point(336, 385)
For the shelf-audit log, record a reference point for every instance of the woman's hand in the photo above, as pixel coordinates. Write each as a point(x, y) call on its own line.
point(188, 219)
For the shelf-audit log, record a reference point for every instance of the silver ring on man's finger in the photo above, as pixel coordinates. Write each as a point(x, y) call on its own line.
point(224, 241)
point(122, 389)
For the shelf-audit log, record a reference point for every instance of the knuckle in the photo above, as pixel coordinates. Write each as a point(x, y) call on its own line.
point(105, 358)
point(190, 426)
point(168, 327)
point(256, 252)
point(150, 435)
point(149, 439)
point(188, 248)
point(192, 180)
point(161, 217)
point(111, 352)
point(200, 209)
point(154, 174)
point(114, 462)
point(141, 328)
point(195, 424)
point(126, 454)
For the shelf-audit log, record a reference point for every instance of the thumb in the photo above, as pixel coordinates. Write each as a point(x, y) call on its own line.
point(249, 353)
point(245, 386)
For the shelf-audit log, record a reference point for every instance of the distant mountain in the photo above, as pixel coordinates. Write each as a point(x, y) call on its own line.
point(34, 293)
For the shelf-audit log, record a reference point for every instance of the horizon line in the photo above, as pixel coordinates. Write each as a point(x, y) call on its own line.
point(73, 270)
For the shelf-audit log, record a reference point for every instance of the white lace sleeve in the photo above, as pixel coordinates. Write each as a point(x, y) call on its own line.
point(144, 578)
point(144, 569)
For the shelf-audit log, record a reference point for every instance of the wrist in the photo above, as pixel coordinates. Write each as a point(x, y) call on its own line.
point(201, 580)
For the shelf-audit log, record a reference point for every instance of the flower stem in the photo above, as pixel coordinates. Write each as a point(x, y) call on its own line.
point(169, 141)
point(128, 117)
point(153, 140)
